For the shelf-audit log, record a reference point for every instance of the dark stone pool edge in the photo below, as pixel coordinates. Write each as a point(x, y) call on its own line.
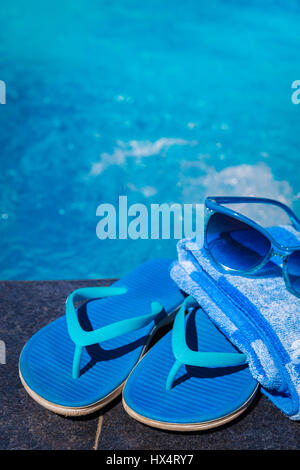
point(26, 306)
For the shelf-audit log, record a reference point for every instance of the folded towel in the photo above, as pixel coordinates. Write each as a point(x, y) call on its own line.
point(257, 313)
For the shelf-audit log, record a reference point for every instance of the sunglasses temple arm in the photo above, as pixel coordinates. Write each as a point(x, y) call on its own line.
point(257, 200)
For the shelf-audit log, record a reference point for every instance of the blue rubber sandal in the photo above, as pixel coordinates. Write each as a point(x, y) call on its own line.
point(181, 385)
point(66, 369)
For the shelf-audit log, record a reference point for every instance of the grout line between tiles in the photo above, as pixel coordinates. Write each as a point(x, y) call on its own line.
point(98, 432)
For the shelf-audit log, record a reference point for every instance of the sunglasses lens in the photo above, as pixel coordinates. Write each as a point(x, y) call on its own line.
point(235, 244)
point(293, 270)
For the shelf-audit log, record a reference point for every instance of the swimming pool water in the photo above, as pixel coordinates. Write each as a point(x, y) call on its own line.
point(162, 101)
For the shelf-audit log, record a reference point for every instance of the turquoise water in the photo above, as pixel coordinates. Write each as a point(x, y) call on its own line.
point(160, 100)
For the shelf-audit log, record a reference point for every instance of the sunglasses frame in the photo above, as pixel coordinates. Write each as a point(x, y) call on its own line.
point(214, 205)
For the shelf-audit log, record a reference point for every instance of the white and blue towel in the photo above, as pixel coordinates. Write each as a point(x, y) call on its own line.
point(258, 314)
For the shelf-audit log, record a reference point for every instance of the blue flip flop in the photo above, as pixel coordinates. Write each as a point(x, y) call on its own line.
point(192, 379)
point(79, 363)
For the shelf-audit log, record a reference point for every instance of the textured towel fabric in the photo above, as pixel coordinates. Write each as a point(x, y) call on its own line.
point(257, 313)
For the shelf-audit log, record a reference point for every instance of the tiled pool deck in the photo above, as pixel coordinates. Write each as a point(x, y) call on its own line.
point(26, 307)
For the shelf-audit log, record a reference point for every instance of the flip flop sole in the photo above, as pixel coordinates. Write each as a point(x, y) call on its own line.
point(92, 408)
point(69, 411)
point(201, 397)
point(46, 362)
point(187, 427)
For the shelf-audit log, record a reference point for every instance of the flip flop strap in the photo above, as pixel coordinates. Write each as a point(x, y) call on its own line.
point(184, 355)
point(83, 338)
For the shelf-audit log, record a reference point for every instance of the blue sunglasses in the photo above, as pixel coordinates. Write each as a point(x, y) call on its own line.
point(239, 245)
